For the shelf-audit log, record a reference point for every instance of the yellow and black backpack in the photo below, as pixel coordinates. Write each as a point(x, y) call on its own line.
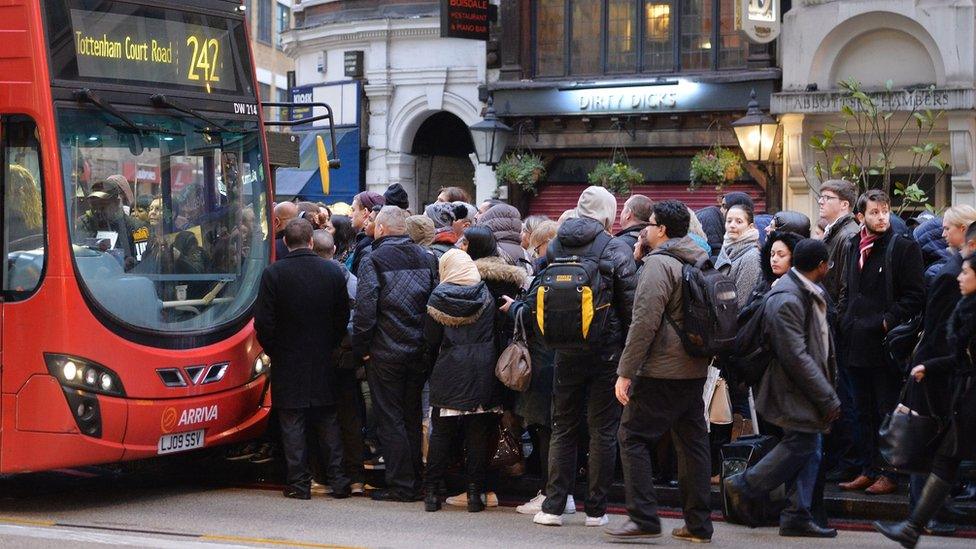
point(569, 303)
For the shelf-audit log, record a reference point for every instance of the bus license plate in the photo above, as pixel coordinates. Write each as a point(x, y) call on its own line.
point(180, 442)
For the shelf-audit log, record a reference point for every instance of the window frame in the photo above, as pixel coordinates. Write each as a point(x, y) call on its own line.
point(12, 296)
point(640, 29)
point(279, 11)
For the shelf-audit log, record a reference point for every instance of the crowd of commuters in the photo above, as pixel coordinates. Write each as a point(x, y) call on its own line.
point(421, 307)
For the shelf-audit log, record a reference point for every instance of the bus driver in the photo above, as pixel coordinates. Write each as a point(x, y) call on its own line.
point(107, 223)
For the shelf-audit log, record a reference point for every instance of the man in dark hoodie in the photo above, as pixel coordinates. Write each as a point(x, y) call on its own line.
point(362, 208)
point(634, 217)
point(661, 385)
point(585, 380)
point(395, 282)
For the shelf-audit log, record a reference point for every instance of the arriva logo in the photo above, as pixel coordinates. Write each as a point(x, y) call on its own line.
point(192, 416)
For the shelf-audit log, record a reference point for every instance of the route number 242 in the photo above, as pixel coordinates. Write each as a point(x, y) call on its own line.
point(204, 62)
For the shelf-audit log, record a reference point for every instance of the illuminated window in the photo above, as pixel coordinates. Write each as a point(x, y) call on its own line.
point(24, 244)
point(593, 37)
point(696, 34)
point(550, 42)
point(658, 47)
point(585, 43)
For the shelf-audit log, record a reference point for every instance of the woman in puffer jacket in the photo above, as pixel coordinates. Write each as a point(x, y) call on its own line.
point(464, 392)
point(505, 223)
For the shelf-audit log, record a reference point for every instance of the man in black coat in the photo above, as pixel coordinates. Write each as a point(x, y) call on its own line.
point(395, 281)
point(300, 317)
point(884, 288)
point(633, 218)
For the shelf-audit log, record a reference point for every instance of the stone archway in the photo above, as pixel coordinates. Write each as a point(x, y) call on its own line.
point(441, 149)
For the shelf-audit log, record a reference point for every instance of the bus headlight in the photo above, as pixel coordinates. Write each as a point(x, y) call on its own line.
point(261, 365)
point(78, 373)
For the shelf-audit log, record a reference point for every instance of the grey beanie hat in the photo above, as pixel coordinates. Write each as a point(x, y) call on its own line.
point(442, 213)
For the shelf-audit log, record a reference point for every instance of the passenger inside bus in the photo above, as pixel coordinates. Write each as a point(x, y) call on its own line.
point(23, 211)
point(106, 226)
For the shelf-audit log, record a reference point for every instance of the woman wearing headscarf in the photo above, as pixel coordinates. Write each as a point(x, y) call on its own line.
point(958, 441)
point(464, 391)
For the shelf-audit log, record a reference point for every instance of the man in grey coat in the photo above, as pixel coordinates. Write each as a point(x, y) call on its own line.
point(661, 385)
point(796, 393)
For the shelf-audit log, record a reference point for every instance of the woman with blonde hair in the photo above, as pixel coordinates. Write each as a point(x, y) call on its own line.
point(23, 199)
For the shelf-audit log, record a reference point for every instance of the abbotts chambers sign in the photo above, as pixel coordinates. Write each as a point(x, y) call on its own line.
point(464, 19)
point(936, 99)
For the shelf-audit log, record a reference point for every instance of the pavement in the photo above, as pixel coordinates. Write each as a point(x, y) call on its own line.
point(144, 510)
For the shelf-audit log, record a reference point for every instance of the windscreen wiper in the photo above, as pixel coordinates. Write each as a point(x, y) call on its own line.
point(160, 100)
point(89, 96)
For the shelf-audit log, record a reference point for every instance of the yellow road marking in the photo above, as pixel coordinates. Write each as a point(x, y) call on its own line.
point(291, 543)
point(13, 520)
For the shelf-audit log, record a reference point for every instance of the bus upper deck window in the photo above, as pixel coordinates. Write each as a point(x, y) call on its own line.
point(23, 207)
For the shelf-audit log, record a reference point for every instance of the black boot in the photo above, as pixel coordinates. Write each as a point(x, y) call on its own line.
point(475, 503)
point(906, 533)
point(432, 501)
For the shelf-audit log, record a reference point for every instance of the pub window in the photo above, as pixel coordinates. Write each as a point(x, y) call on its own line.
point(592, 37)
point(585, 47)
point(550, 45)
point(658, 45)
point(265, 19)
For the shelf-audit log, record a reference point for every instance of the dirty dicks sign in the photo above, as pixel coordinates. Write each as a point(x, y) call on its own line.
point(464, 19)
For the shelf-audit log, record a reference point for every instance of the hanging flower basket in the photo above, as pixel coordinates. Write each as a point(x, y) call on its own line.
point(617, 177)
point(523, 169)
point(716, 166)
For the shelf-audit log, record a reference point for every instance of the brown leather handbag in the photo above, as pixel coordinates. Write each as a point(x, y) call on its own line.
point(514, 366)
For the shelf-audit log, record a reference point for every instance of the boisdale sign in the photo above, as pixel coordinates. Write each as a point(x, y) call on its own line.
point(464, 19)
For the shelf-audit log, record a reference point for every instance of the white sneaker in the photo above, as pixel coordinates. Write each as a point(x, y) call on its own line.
point(546, 519)
point(490, 499)
point(532, 506)
point(597, 521)
point(570, 505)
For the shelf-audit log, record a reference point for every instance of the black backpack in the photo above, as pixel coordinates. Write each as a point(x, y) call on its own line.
point(710, 307)
point(751, 354)
point(568, 305)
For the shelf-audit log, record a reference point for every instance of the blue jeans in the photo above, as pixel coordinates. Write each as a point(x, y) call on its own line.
point(795, 462)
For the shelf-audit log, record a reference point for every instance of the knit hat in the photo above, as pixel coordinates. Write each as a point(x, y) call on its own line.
point(396, 196)
point(808, 254)
point(442, 213)
point(421, 229)
point(457, 267)
point(369, 199)
point(469, 211)
point(598, 203)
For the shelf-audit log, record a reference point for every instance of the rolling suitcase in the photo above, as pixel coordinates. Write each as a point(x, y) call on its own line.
point(739, 455)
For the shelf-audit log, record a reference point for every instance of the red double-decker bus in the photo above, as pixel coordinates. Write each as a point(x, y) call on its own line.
point(135, 227)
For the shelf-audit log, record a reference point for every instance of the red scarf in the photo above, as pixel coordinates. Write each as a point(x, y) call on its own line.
point(867, 242)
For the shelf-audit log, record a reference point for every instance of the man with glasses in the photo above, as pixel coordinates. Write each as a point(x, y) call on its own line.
point(837, 199)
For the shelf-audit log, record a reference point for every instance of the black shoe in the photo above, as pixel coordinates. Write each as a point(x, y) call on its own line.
point(432, 502)
point(904, 533)
point(243, 452)
point(264, 454)
point(939, 528)
point(390, 495)
point(341, 493)
point(630, 530)
point(296, 493)
point(805, 529)
point(475, 504)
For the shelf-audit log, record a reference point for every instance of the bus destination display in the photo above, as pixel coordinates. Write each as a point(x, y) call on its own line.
point(125, 47)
